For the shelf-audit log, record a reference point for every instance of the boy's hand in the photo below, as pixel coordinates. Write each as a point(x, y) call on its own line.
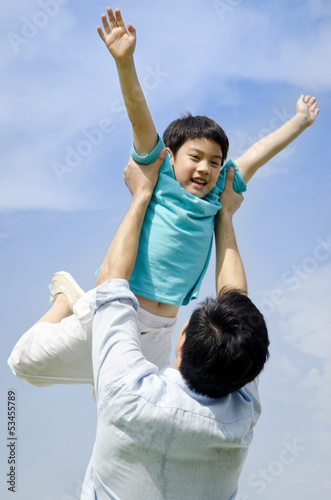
point(230, 200)
point(119, 39)
point(141, 179)
point(307, 107)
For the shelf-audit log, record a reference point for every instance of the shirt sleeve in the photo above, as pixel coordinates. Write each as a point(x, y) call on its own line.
point(251, 391)
point(116, 351)
point(149, 158)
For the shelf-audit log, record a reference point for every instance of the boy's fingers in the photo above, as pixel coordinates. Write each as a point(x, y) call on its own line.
point(113, 22)
point(131, 29)
point(105, 23)
point(119, 19)
point(101, 33)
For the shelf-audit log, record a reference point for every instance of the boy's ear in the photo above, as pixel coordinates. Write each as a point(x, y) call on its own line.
point(172, 158)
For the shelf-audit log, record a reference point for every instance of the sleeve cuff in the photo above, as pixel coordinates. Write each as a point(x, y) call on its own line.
point(238, 183)
point(149, 158)
point(112, 290)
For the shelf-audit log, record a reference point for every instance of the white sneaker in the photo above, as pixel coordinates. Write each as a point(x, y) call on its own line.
point(63, 282)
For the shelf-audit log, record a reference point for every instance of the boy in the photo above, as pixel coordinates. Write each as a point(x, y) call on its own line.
point(177, 233)
point(197, 149)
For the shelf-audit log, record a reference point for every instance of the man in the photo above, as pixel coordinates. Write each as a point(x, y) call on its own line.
point(184, 432)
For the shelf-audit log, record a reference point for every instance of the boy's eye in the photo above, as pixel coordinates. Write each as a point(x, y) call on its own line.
point(215, 164)
point(195, 157)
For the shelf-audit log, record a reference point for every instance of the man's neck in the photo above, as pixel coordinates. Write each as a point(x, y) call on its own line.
point(176, 365)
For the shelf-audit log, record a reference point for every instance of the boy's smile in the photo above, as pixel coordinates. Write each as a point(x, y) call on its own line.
point(197, 165)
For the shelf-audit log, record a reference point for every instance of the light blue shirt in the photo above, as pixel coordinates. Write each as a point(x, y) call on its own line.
point(157, 439)
point(176, 238)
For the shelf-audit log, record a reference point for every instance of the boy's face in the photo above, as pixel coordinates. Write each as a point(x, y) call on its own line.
point(197, 165)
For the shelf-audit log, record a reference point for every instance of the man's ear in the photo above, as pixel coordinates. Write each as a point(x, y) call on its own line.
point(180, 348)
point(181, 345)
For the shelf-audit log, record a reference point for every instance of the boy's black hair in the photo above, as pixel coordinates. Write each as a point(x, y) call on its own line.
point(226, 345)
point(190, 127)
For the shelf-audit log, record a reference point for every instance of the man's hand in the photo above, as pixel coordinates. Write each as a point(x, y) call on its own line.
point(141, 179)
point(307, 107)
point(119, 39)
point(230, 200)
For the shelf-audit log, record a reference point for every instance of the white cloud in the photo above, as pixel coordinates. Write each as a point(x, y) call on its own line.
point(63, 81)
point(305, 320)
point(265, 43)
point(295, 51)
point(287, 367)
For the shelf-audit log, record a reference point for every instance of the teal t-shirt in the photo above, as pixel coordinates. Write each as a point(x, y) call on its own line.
point(176, 237)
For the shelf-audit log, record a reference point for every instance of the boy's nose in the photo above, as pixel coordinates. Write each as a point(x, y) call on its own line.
point(203, 167)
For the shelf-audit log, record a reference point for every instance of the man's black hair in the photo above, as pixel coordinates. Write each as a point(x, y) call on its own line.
point(226, 345)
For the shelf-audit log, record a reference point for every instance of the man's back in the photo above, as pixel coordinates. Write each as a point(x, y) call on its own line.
point(157, 439)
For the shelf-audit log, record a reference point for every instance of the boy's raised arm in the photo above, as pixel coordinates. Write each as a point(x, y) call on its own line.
point(265, 149)
point(121, 41)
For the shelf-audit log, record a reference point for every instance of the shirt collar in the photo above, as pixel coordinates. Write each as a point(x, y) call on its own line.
point(177, 378)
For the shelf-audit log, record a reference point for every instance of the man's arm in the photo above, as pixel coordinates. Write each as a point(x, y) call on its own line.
point(229, 267)
point(121, 41)
point(121, 256)
point(265, 149)
point(115, 344)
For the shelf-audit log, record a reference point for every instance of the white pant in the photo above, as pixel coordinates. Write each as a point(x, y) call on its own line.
point(60, 353)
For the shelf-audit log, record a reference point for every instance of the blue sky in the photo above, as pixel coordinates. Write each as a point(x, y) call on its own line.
point(65, 142)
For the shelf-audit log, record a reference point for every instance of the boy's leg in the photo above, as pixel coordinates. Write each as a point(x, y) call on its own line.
point(59, 310)
point(155, 334)
point(49, 354)
point(60, 353)
point(65, 293)
point(57, 349)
